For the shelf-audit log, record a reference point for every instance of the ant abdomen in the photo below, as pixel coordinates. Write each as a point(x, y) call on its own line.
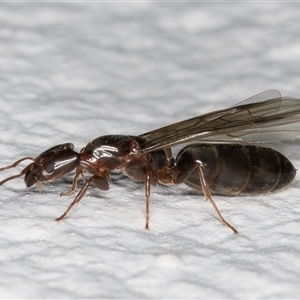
point(232, 169)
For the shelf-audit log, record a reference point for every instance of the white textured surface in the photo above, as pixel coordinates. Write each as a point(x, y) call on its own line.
point(72, 72)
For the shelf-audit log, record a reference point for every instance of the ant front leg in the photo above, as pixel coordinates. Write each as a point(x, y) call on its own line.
point(101, 182)
point(74, 183)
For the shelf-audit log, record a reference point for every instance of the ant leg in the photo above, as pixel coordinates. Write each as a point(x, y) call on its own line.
point(74, 183)
point(77, 198)
point(147, 195)
point(207, 193)
point(102, 183)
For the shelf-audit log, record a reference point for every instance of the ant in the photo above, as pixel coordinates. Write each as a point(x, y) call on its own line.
point(219, 157)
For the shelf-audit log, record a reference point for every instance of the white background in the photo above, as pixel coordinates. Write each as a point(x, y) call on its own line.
point(75, 71)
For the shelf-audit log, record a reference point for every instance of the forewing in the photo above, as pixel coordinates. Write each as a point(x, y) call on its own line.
point(267, 121)
point(266, 95)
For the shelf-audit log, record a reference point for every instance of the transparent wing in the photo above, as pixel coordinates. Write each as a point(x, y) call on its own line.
point(267, 95)
point(269, 120)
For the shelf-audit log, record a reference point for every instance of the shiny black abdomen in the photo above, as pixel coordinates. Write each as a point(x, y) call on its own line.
point(231, 169)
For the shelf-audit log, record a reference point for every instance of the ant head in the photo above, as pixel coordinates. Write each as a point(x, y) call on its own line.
point(52, 164)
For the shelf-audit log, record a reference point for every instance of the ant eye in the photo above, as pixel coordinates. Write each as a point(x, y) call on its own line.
point(50, 168)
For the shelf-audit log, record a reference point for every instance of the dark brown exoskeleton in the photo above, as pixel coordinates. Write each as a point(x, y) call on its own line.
point(219, 161)
point(48, 166)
